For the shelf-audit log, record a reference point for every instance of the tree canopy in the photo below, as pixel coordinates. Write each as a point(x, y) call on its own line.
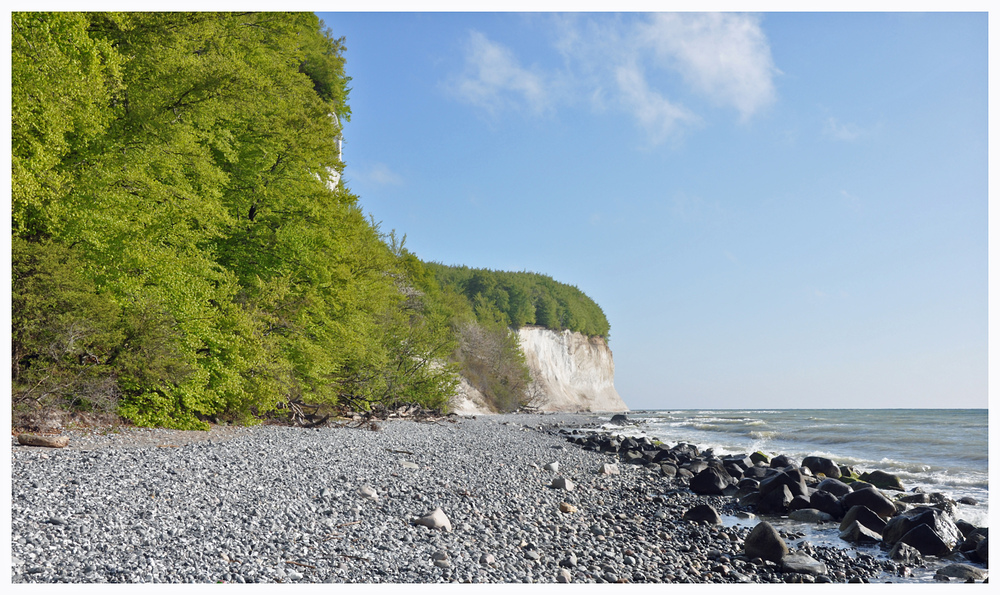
point(183, 249)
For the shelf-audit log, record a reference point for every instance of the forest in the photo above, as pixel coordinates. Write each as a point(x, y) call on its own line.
point(184, 251)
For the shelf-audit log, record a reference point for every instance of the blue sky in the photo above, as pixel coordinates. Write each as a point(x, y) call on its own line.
point(773, 209)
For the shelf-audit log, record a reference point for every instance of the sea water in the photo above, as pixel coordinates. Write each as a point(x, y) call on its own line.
point(938, 450)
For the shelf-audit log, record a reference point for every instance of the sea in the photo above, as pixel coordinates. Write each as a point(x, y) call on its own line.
point(938, 450)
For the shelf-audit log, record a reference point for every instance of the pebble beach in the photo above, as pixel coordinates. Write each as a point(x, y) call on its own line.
point(492, 499)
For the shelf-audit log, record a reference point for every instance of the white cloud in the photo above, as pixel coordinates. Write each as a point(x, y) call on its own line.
point(382, 175)
point(658, 115)
point(723, 56)
point(617, 63)
point(493, 78)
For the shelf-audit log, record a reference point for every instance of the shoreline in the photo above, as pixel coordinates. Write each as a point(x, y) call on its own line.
point(278, 504)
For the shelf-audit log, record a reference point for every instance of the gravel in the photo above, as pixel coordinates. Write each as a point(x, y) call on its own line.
point(276, 504)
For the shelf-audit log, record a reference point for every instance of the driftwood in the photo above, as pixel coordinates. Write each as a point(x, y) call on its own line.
point(40, 440)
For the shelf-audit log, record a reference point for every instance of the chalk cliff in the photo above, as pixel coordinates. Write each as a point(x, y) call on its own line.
point(570, 372)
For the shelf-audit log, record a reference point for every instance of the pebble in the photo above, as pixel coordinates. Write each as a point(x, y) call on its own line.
point(268, 494)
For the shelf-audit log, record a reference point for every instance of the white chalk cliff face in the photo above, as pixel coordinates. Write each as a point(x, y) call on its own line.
point(571, 372)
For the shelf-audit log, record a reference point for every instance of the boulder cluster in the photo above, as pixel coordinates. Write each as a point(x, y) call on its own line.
point(872, 508)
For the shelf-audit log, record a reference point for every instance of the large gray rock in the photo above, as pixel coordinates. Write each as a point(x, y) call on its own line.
point(802, 564)
point(963, 572)
point(872, 499)
point(788, 477)
point(821, 465)
point(927, 541)
point(834, 486)
point(810, 515)
point(865, 516)
point(883, 480)
point(774, 502)
point(828, 503)
point(905, 554)
point(764, 542)
point(709, 482)
point(939, 522)
point(858, 533)
point(703, 512)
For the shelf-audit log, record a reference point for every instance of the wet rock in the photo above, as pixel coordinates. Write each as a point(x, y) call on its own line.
point(821, 465)
point(703, 512)
point(927, 541)
point(834, 486)
point(962, 572)
point(828, 503)
point(782, 461)
point(775, 501)
point(710, 481)
point(872, 499)
point(865, 516)
point(939, 523)
point(764, 542)
point(883, 480)
point(905, 554)
point(810, 515)
point(857, 533)
point(802, 564)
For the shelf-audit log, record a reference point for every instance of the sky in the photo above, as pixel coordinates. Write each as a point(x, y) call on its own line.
point(774, 210)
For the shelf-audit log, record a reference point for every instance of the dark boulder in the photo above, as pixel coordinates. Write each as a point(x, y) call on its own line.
point(695, 466)
point(789, 477)
point(859, 534)
point(799, 503)
point(962, 572)
point(920, 498)
point(683, 448)
point(634, 456)
point(782, 461)
point(965, 527)
point(883, 480)
point(937, 521)
point(742, 461)
point(764, 542)
point(803, 564)
point(828, 503)
point(834, 486)
point(871, 499)
point(905, 554)
point(774, 502)
point(757, 473)
point(703, 512)
point(620, 419)
point(865, 516)
point(668, 471)
point(759, 457)
point(983, 550)
point(821, 465)
point(709, 482)
point(926, 541)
